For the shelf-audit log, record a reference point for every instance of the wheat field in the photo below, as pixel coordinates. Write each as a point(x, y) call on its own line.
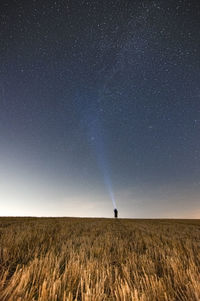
point(60, 259)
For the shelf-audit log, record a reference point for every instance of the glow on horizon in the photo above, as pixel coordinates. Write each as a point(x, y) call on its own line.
point(38, 203)
point(27, 193)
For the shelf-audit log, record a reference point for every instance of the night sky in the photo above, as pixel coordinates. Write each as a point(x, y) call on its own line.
point(100, 102)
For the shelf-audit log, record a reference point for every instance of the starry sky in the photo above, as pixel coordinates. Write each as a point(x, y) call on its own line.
point(100, 107)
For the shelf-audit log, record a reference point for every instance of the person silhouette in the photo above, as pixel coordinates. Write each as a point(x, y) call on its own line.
point(115, 213)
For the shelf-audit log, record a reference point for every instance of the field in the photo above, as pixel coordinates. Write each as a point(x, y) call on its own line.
point(58, 259)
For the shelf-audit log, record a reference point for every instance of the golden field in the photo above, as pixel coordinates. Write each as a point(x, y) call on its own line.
point(59, 259)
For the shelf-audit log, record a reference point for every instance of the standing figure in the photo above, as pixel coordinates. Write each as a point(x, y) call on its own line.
point(115, 213)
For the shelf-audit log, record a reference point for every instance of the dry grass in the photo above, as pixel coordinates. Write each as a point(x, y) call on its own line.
point(57, 259)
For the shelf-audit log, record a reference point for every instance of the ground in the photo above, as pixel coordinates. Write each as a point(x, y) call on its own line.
point(53, 259)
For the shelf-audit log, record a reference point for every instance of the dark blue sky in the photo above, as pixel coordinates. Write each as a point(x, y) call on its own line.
point(100, 100)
